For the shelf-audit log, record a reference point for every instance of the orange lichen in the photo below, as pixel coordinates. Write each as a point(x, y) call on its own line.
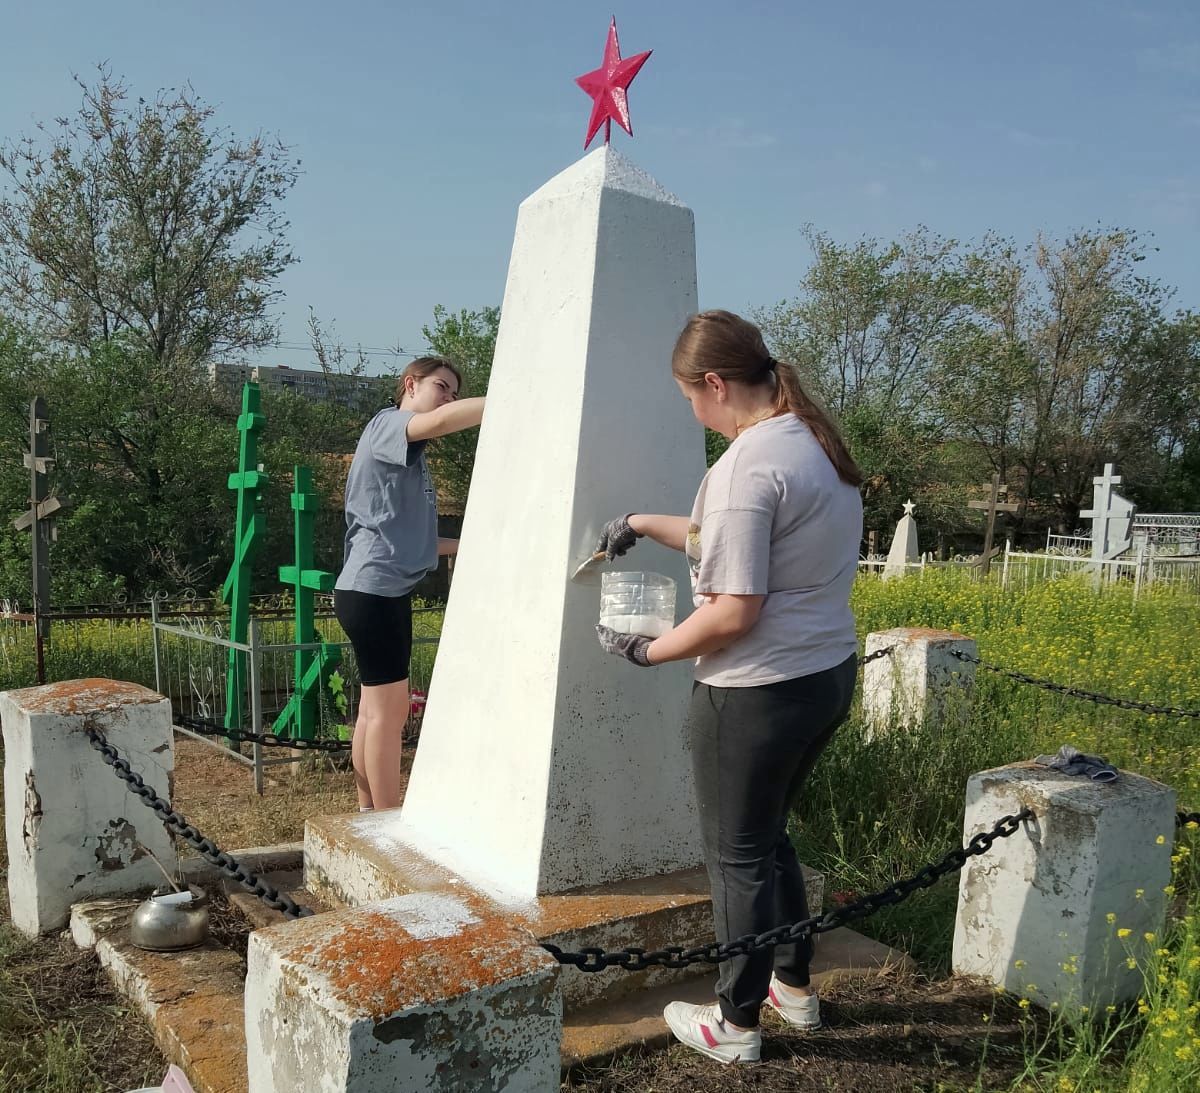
point(77, 697)
point(916, 633)
point(372, 961)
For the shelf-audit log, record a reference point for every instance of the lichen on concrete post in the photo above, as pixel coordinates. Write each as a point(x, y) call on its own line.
point(1066, 910)
point(918, 681)
point(417, 992)
point(74, 830)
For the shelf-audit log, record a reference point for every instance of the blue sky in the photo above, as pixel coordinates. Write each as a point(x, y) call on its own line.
point(422, 126)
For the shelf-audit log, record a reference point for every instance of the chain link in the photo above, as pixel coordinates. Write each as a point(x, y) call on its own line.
point(1075, 692)
point(886, 651)
point(592, 959)
point(203, 727)
point(207, 849)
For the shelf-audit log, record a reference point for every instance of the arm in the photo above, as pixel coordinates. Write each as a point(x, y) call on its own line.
point(447, 546)
point(451, 418)
point(671, 531)
point(719, 622)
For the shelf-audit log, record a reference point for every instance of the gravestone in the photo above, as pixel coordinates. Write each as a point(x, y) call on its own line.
point(904, 550)
point(1111, 516)
point(992, 506)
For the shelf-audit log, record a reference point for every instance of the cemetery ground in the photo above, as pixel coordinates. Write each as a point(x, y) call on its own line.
point(874, 812)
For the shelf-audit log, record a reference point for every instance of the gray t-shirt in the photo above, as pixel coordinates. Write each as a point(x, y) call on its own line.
point(391, 510)
point(773, 519)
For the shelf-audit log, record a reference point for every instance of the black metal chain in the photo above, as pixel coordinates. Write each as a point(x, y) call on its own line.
point(1076, 692)
point(209, 850)
point(884, 652)
point(203, 727)
point(633, 959)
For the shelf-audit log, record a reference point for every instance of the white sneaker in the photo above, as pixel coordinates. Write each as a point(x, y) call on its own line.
point(704, 1030)
point(797, 1011)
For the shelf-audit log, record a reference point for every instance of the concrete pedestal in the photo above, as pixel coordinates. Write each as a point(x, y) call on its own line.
point(73, 828)
point(413, 993)
point(1034, 911)
point(358, 859)
point(918, 681)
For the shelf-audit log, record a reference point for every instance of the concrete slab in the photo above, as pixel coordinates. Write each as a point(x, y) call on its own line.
point(596, 1034)
point(192, 1000)
point(360, 859)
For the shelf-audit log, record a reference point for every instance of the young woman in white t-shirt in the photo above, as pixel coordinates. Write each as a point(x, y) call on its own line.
point(772, 545)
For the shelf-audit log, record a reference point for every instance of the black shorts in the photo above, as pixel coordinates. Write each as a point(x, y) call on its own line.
point(380, 629)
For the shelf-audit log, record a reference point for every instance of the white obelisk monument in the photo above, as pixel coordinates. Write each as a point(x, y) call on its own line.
point(904, 550)
point(544, 763)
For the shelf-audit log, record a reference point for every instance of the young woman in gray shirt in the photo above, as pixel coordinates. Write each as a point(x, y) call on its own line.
point(391, 543)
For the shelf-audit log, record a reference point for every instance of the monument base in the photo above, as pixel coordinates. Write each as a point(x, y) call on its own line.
point(354, 860)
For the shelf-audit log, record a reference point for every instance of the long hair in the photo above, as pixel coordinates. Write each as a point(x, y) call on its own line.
point(733, 348)
point(426, 366)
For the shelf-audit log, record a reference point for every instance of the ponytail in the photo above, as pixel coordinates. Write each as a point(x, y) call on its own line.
point(790, 395)
point(727, 345)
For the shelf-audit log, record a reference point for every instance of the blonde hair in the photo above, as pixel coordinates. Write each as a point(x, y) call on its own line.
point(733, 348)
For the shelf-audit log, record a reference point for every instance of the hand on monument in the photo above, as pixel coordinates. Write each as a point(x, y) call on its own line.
point(616, 537)
point(630, 646)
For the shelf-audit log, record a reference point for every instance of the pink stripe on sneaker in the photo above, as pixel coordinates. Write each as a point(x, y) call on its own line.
point(773, 996)
point(709, 1038)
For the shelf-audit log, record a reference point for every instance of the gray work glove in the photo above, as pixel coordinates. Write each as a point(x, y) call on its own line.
point(630, 646)
point(616, 537)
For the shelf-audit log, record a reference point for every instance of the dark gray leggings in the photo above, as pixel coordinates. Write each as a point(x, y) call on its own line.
point(752, 750)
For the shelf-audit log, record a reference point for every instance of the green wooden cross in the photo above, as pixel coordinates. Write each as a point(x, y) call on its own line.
point(300, 716)
point(246, 481)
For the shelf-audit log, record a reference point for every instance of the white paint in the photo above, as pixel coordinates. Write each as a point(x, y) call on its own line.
point(308, 1030)
point(1043, 895)
point(72, 826)
point(649, 626)
point(428, 915)
point(545, 763)
point(409, 852)
point(904, 550)
point(918, 681)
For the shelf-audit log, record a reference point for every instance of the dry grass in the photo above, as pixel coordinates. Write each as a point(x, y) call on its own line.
point(217, 796)
point(63, 1029)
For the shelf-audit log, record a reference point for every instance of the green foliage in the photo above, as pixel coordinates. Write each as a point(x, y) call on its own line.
point(145, 222)
point(946, 362)
point(468, 338)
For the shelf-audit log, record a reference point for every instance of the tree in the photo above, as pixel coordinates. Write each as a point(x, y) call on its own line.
point(868, 332)
point(137, 243)
point(1057, 371)
point(144, 222)
point(468, 338)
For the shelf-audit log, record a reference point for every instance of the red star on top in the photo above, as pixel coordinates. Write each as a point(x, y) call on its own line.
point(607, 85)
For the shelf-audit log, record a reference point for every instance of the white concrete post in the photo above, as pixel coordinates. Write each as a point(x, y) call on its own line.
point(545, 763)
point(73, 828)
point(919, 680)
point(416, 992)
point(1055, 911)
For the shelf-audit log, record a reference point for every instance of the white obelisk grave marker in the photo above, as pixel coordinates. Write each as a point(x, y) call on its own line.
point(545, 763)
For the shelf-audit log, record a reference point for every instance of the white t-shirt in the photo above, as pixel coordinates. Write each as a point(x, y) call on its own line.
point(772, 518)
